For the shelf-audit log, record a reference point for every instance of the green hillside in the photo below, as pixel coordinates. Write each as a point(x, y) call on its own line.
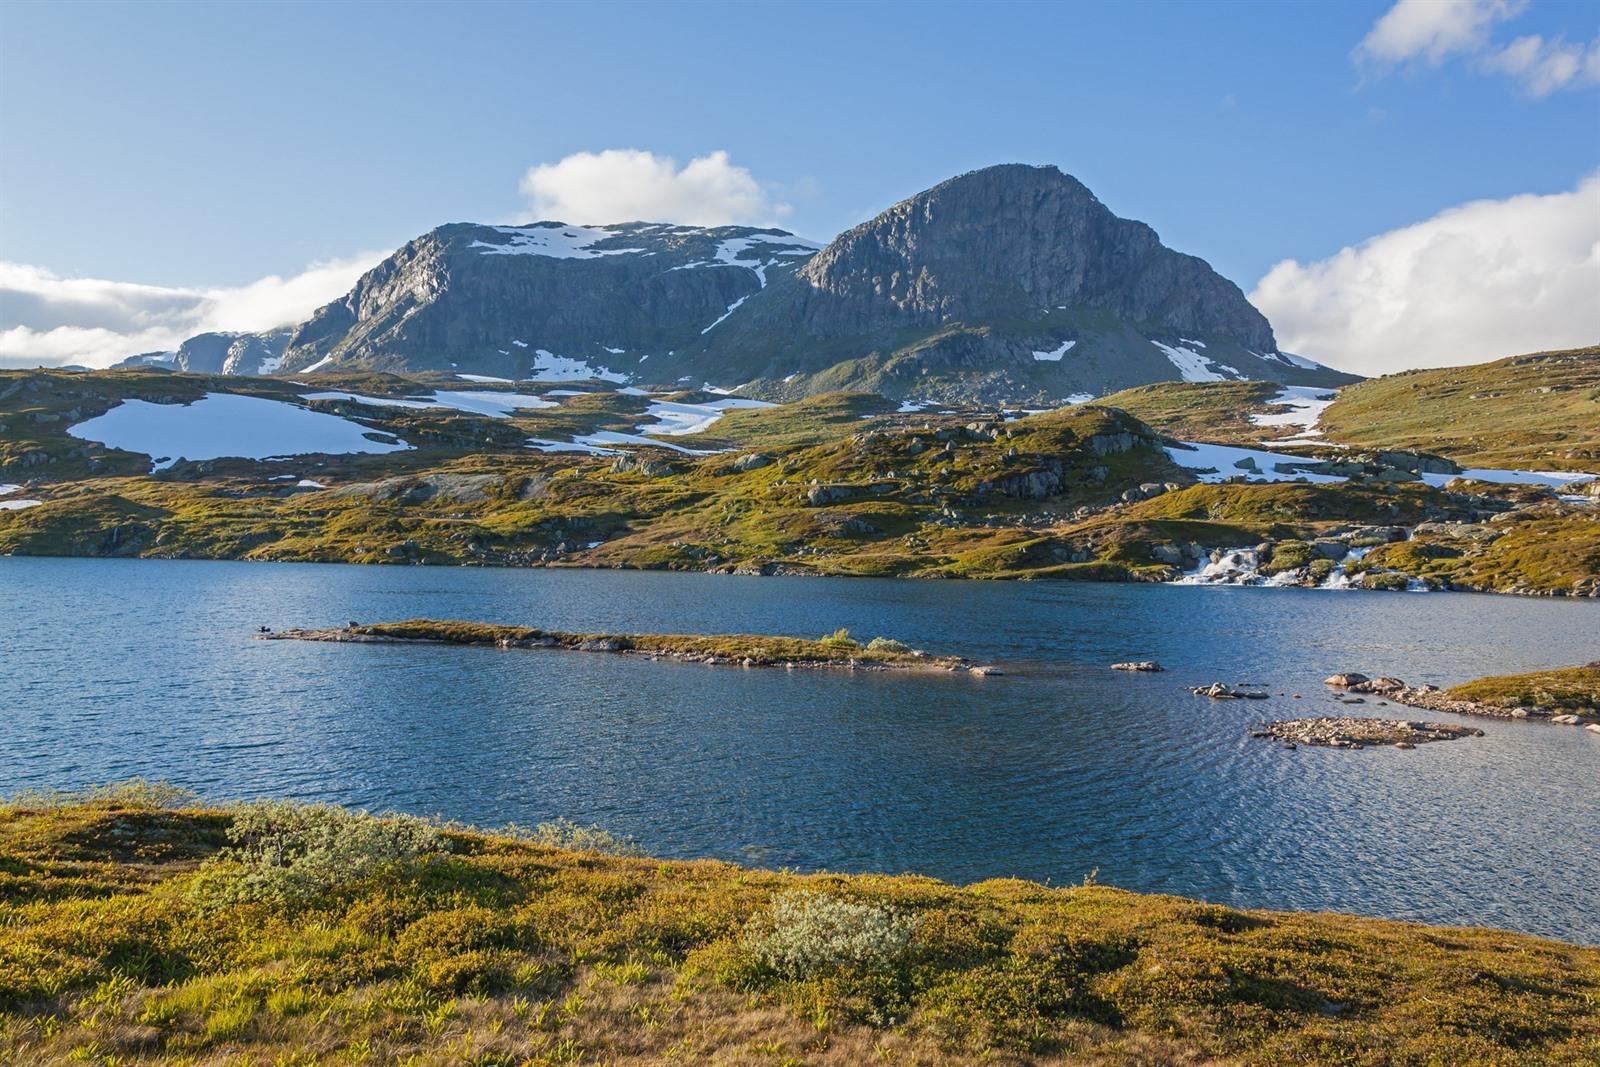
point(1540, 411)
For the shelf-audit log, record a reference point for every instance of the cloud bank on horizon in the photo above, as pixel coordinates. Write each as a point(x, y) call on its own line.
point(1433, 31)
point(1483, 280)
point(94, 322)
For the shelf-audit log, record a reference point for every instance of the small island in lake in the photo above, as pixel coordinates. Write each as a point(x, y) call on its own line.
point(1564, 695)
point(835, 650)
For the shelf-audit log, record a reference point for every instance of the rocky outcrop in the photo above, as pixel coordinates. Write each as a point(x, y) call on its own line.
point(1360, 733)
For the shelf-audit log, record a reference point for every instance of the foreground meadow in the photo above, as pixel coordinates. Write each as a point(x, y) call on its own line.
point(136, 928)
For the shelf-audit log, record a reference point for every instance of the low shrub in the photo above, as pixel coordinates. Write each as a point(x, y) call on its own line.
point(133, 793)
point(287, 853)
point(806, 935)
point(888, 644)
point(840, 638)
point(564, 833)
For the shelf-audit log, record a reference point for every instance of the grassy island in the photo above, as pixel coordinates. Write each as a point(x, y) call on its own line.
point(837, 649)
point(1573, 690)
point(136, 928)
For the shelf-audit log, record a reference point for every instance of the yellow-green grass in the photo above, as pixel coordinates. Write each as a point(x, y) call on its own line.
point(1570, 689)
point(1539, 411)
point(1217, 412)
point(756, 649)
point(114, 948)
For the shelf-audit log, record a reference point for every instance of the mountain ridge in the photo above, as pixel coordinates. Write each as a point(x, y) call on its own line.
point(1008, 284)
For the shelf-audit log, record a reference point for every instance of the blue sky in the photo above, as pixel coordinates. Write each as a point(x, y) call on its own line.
point(199, 146)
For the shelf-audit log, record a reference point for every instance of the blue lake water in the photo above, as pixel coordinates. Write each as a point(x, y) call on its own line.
point(116, 668)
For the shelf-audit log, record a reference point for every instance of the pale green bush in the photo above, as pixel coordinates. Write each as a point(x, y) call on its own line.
point(888, 644)
point(283, 852)
point(564, 833)
point(806, 934)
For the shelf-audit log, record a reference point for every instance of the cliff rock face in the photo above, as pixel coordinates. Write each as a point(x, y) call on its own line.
point(1017, 241)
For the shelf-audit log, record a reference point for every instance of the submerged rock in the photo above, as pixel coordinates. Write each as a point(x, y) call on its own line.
point(1148, 665)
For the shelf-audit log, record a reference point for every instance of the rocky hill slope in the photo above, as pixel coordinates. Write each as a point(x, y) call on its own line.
point(1010, 284)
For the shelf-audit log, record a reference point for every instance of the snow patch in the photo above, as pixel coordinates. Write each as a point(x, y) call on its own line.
point(676, 420)
point(18, 505)
point(474, 401)
point(1194, 367)
point(543, 445)
point(720, 319)
point(9, 488)
point(318, 365)
point(487, 378)
point(227, 425)
point(1553, 479)
point(552, 241)
point(1217, 463)
point(549, 367)
point(1306, 405)
point(1054, 355)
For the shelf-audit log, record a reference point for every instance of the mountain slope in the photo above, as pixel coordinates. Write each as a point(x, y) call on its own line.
point(1012, 284)
point(1540, 410)
point(1009, 283)
point(548, 300)
point(220, 353)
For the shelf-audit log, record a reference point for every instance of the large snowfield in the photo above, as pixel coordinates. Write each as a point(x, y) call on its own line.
point(226, 425)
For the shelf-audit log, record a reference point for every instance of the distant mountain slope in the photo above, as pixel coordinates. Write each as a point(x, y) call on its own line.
point(1540, 411)
point(547, 300)
point(220, 353)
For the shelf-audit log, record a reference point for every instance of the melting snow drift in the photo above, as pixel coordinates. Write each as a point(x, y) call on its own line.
point(227, 425)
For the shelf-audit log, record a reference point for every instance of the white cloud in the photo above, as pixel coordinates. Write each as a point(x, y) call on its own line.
point(1487, 279)
point(1433, 30)
point(1544, 66)
point(49, 320)
point(628, 185)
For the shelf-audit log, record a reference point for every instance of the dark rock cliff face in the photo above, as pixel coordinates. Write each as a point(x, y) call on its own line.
point(524, 300)
point(1016, 241)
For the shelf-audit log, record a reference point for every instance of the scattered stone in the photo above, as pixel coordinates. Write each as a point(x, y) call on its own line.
point(1593, 727)
point(1357, 733)
point(1138, 665)
point(986, 672)
point(1564, 720)
point(1345, 681)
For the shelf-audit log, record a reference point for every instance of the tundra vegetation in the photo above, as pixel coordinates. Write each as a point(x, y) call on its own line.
point(837, 484)
point(136, 927)
point(751, 650)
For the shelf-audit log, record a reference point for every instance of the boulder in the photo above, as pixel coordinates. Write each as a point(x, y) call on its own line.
point(1344, 681)
point(1147, 665)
